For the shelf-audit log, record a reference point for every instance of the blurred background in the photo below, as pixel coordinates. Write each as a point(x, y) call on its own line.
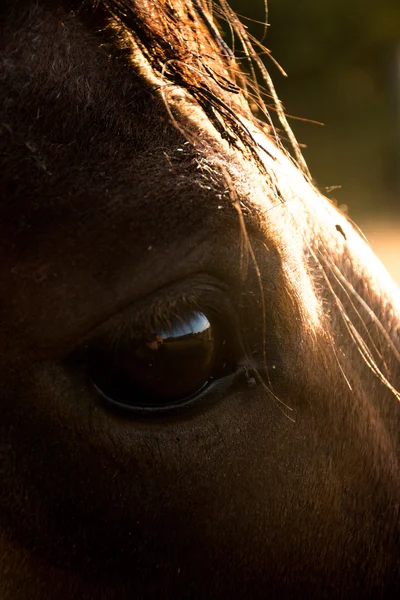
point(342, 58)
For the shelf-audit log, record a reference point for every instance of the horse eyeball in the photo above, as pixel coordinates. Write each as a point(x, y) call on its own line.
point(161, 368)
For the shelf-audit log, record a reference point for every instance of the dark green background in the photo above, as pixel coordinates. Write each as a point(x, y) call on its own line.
point(343, 62)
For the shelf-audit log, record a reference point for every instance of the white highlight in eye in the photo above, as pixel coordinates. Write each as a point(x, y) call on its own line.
point(195, 323)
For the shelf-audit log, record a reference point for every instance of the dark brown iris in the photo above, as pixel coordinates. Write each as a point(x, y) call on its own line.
point(159, 368)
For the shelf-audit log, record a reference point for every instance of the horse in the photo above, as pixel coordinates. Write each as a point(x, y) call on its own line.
point(199, 352)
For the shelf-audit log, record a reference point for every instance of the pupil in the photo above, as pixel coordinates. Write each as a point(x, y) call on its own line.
point(160, 368)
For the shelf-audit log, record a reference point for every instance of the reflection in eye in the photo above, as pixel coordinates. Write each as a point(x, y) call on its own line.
point(162, 367)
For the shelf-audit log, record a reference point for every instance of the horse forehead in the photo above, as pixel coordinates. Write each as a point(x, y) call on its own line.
point(100, 153)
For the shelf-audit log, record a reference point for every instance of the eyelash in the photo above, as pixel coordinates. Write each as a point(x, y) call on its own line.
point(200, 293)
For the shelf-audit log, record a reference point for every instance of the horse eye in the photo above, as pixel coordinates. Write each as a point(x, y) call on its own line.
point(161, 369)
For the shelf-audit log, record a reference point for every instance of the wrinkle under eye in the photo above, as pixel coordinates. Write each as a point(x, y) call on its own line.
point(162, 367)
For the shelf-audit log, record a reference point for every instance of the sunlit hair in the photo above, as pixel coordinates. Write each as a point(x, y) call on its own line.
point(182, 43)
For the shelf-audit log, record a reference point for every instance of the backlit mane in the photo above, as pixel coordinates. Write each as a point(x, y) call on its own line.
point(183, 45)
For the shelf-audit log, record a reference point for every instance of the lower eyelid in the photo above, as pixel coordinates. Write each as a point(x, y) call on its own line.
point(211, 394)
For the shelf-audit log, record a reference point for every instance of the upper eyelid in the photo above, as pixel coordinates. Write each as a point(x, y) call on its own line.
point(202, 293)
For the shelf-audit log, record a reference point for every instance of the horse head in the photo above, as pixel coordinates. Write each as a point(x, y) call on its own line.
point(199, 354)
